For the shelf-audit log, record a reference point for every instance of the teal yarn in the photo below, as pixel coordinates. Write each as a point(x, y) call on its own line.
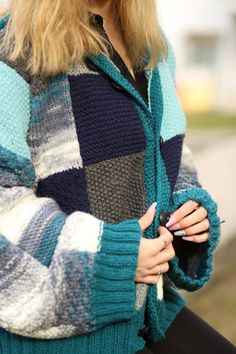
point(16, 116)
point(48, 243)
point(176, 274)
point(116, 273)
point(25, 172)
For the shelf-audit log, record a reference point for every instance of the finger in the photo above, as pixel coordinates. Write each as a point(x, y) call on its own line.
point(150, 279)
point(147, 219)
point(165, 233)
point(159, 269)
point(165, 256)
point(198, 238)
point(194, 218)
point(152, 253)
point(164, 239)
point(196, 229)
point(181, 212)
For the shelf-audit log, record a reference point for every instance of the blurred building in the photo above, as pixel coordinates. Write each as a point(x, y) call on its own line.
point(203, 34)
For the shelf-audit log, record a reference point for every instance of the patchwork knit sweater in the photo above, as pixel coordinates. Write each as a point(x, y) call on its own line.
point(82, 156)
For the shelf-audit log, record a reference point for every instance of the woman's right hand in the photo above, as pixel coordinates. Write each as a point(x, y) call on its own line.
point(154, 254)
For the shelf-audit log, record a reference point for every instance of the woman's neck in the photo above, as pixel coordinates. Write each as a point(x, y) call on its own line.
point(106, 9)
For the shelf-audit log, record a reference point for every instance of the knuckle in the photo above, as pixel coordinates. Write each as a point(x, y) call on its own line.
point(151, 263)
point(178, 215)
point(150, 280)
point(172, 254)
point(144, 272)
point(138, 273)
point(162, 230)
point(169, 236)
point(183, 224)
point(194, 203)
point(189, 230)
point(173, 248)
point(166, 267)
point(203, 210)
point(161, 242)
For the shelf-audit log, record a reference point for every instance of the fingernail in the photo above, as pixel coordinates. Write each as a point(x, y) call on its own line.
point(188, 239)
point(152, 207)
point(171, 221)
point(174, 227)
point(179, 233)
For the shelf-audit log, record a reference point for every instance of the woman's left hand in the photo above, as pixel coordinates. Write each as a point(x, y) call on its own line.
point(190, 221)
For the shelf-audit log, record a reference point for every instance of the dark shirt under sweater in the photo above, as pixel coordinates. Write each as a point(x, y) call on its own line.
point(140, 82)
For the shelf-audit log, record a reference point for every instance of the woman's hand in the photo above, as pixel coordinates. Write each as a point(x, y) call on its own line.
point(190, 221)
point(154, 254)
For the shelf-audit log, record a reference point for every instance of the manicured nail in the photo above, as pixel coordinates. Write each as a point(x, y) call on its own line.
point(188, 239)
point(179, 233)
point(152, 207)
point(172, 221)
point(174, 227)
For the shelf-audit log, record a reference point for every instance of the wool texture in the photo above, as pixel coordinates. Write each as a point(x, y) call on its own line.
point(82, 156)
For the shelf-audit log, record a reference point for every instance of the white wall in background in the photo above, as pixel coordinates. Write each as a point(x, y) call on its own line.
point(204, 19)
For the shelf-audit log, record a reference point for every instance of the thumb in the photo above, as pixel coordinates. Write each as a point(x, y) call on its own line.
point(147, 219)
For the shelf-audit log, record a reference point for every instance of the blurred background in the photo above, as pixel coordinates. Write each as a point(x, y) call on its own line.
point(203, 35)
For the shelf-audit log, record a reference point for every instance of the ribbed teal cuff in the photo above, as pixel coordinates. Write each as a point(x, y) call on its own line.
point(179, 277)
point(114, 291)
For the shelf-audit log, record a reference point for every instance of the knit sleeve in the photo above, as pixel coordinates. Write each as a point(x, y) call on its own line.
point(192, 266)
point(60, 275)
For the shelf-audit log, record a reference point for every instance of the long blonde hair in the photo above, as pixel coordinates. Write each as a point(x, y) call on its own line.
point(52, 35)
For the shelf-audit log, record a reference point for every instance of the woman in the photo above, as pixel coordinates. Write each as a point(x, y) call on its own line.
point(91, 153)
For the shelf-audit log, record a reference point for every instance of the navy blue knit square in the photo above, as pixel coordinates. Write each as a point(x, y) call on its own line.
point(107, 123)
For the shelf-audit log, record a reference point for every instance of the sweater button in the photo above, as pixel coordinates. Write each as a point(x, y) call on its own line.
point(164, 217)
point(117, 86)
point(143, 331)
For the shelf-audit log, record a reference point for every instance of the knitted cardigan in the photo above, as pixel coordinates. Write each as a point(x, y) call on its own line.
point(67, 275)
